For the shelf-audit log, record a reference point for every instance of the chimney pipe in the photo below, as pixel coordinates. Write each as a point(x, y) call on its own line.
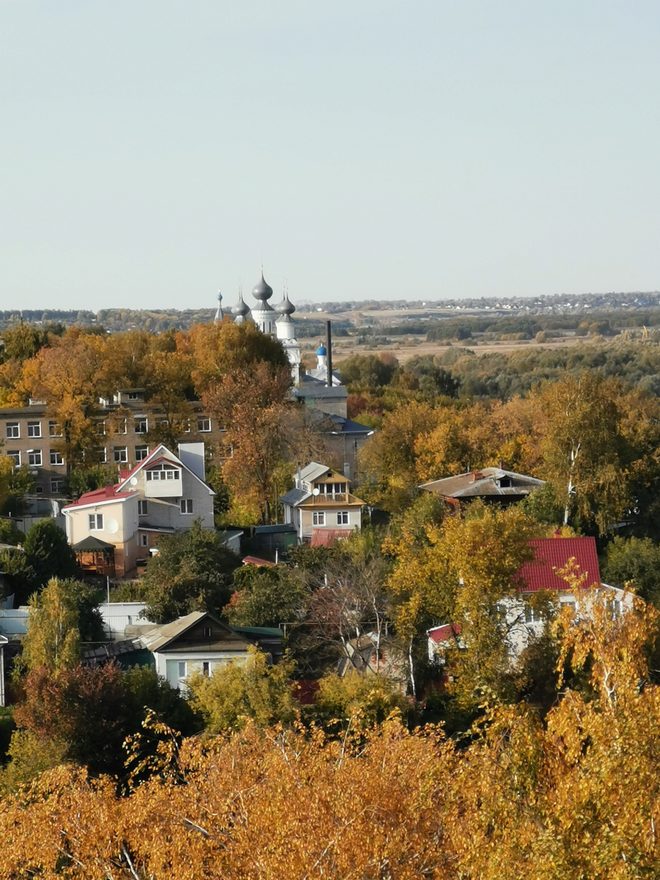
point(328, 332)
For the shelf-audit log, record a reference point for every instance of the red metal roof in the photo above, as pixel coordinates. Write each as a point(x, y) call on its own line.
point(327, 537)
point(107, 493)
point(554, 553)
point(444, 633)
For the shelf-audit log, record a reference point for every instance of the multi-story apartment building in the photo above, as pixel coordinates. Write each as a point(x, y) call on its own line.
point(127, 430)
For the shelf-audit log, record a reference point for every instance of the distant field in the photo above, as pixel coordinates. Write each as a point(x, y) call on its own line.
point(404, 350)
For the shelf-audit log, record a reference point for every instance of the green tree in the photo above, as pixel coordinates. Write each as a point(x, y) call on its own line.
point(48, 553)
point(267, 596)
point(191, 572)
point(634, 562)
point(64, 614)
point(239, 692)
point(9, 533)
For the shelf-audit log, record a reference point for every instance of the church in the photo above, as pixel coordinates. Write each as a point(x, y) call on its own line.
point(319, 389)
point(275, 322)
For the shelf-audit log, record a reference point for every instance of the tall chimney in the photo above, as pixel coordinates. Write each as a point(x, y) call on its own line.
point(328, 333)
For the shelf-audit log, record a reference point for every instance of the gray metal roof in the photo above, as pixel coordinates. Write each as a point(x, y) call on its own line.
point(160, 637)
point(262, 289)
point(329, 422)
point(483, 482)
point(313, 471)
point(294, 496)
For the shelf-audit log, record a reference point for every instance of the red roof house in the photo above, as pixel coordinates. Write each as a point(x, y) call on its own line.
point(551, 554)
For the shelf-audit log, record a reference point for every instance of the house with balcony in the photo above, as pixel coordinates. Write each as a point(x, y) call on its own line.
point(114, 529)
point(321, 506)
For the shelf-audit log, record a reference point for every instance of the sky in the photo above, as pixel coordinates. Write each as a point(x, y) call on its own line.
point(153, 152)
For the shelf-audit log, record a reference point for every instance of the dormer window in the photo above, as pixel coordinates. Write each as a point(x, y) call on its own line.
point(163, 472)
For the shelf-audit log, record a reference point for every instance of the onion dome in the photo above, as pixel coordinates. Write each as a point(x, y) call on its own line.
point(262, 290)
point(286, 307)
point(241, 309)
point(321, 351)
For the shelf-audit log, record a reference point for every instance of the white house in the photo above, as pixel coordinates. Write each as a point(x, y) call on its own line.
point(321, 506)
point(523, 619)
point(113, 528)
point(198, 642)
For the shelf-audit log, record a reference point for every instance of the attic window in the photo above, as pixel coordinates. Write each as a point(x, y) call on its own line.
point(163, 472)
point(208, 632)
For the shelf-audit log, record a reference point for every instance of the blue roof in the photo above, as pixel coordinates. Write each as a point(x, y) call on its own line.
point(322, 350)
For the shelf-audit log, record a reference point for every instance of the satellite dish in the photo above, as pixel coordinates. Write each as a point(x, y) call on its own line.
point(112, 526)
point(316, 491)
point(134, 481)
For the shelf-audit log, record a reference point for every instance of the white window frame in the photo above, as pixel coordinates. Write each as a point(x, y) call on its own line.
point(95, 522)
point(206, 668)
point(140, 424)
point(16, 455)
point(141, 452)
point(532, 615)
point(182, 669)
point(162, 472)
point(35, 458)
point(203, 424)
point(13, 430)
point(56, 457)
point(343, 518)
point(144, 540)
point(34, 430)
point(120, 454)
point(122, 426)
point(143, 507)
point(318, 517)
point(54, 429)
point(186, 506)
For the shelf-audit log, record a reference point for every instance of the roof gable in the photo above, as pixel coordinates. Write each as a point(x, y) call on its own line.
point(486, 481)
point(161, 453)
point(551, 554)
point(169, 636)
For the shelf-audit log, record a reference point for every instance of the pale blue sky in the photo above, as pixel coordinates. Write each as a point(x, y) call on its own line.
point(153, 151)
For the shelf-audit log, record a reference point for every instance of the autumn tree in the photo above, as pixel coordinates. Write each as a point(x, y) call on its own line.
point(84, 713)
point(217, 350)
point(259, 430)
point(68, 374)
point(236, 693)
point(594, 451)
point(388, 458)
point(169, 388)
point(62, 616)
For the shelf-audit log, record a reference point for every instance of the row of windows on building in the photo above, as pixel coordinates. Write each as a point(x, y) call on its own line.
point(120, 426)
point(35, 457)
point(319, 518)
